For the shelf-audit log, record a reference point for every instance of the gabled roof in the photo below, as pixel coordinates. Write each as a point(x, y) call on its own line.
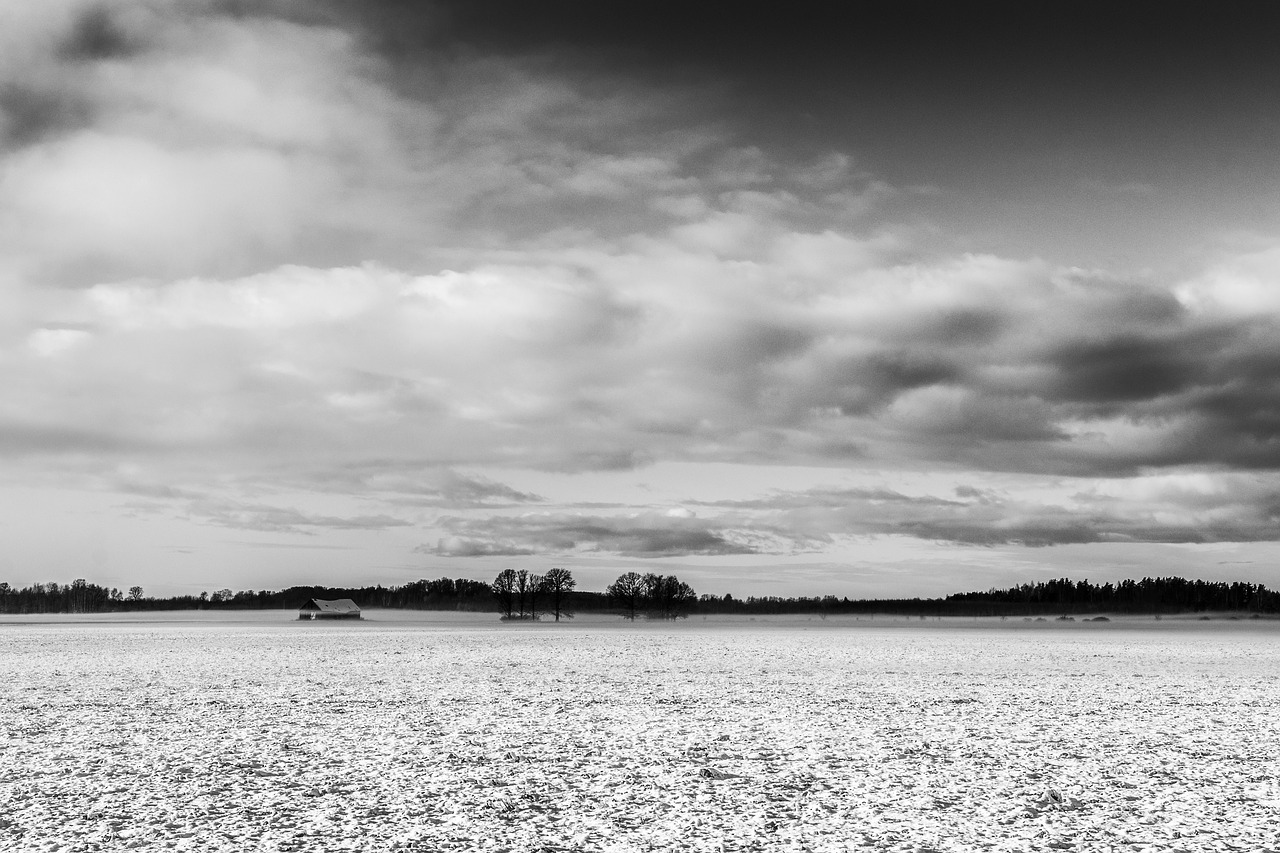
point(341, 605)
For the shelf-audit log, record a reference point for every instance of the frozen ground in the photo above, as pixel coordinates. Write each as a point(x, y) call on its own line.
point(268, 734)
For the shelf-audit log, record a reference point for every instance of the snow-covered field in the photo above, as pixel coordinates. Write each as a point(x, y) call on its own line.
point(404, 734)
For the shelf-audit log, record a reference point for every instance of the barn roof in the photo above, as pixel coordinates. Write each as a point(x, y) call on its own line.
point(339, 605)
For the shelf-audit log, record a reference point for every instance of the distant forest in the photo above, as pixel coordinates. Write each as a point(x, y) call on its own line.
point(520, 595)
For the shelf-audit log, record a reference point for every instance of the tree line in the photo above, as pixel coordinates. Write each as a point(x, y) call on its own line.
point(1149, 595)
point(79, 596)
point(523, 595)
point(1060, 596)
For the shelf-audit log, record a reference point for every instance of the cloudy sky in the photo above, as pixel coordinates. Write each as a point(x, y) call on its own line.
point(904, 299)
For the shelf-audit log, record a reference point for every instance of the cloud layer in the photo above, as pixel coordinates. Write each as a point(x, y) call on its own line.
point(247, 255)
point(579, 358)
point(648, 535)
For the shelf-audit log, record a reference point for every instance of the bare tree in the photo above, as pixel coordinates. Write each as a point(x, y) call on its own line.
point(504, 589)
point(677, 596)
point(651, 591)
point(559, 583)
point(537, 586)
point(526, 588)
point(523, 589)
point(135, 593)
point(666, 596)
point(627, 592)
point(79, 595)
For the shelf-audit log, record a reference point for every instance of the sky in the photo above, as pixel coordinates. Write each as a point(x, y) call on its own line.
point(872, 300)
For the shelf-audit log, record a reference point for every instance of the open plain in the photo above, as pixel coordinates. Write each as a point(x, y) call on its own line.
point(425, 733)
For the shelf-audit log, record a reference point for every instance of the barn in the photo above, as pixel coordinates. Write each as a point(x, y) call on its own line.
point(319, 608)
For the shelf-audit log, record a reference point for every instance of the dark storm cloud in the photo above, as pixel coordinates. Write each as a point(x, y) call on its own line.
point(1068, 530)
point(965, 327)
point(1030, 535)
point(1133, 367)
point(460, 489)
point(1088, 377)
point(637, 536)
point(457, 547)
point(1121, 370)
point(827, 498)
point(866, 384)
point(1172, 513)
point(98, 35)
point(987, 37)
point(29, 113)
point(1215, 389)
point(1014, 84)
point(408, 484)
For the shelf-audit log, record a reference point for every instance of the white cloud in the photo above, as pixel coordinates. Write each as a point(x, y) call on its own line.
point(202, 145)
point(121, 199)
point(52, 342)
point(1240, 285)
point(642, 350)
point(286, 297)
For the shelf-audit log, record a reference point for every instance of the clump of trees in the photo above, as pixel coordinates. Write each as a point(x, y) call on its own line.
point(522, 595)
point(656, 596)
point(557, 584)
point(518, 592)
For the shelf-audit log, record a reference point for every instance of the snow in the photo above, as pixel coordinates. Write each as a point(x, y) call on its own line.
point(402, 735)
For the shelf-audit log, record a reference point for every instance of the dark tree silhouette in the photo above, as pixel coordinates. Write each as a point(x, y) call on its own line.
point(78, 592)
point(522, 592)
point(627, 592)
point(651, 590)
point(666, 596)
point(504, 589)
point(534, 584)
point(558, 583)
point(674, 597)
